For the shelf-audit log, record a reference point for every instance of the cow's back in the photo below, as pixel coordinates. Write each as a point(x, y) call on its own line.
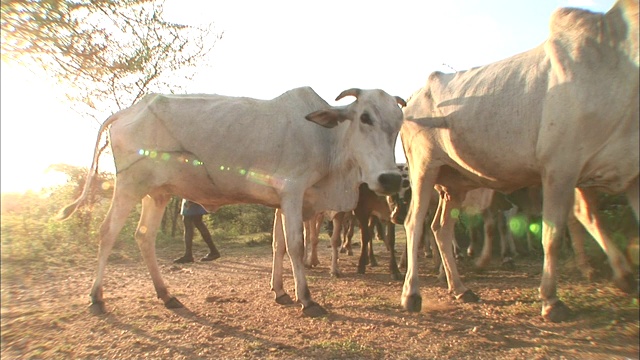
point(239, 145)
point(571, 102)
point(489, 115)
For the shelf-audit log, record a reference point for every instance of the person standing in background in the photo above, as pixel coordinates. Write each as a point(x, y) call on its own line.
point(192, 218)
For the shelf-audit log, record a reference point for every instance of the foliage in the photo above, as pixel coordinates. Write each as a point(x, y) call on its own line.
point(31, 236)
point(106, 53)
point(242, 219)
point(614, 212)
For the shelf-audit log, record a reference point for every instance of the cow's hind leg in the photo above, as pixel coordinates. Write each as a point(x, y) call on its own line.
point(152, 211)
point(366, 238)
point(507, 243)
point(337, 222)
point(316, 223)
point(443, 230)
point(121, 206)
point(585, 212)
point(577, 233)
point(487, 248)
point(391, 241)
point(633, 195)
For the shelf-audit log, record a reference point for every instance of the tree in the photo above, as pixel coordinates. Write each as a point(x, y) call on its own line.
point(107, 54)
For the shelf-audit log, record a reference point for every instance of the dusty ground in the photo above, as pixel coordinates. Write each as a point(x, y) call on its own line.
point(231, 314)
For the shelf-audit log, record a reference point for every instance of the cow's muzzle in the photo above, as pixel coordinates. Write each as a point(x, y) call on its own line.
point(390, 183)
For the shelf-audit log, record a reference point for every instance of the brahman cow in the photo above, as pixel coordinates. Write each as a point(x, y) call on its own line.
point(349, 224)
point(217, 150)
point(480, 201)
point(369, 205)
point(563, 115)
point(524, 203)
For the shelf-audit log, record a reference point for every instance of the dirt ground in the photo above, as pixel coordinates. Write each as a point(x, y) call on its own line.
point(230, 313)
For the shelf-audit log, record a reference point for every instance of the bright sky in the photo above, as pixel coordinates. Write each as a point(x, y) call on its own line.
point(272, 46)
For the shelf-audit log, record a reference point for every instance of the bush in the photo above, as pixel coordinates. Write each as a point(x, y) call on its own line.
point(31, 236)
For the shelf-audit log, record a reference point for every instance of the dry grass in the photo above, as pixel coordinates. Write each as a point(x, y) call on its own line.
point(230, 312)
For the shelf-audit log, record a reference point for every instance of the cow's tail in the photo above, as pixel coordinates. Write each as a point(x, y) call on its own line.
point(65, 212)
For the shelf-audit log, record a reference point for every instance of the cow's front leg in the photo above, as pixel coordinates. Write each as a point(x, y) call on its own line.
point(292, 223)
point(557, 201)
point(411, 299)
point(279, 248)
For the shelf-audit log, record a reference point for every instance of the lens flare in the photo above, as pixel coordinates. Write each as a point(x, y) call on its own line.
point(518, 225)
point(165, 156)
point(253, 175)
point(455, 213)
point(535, 229)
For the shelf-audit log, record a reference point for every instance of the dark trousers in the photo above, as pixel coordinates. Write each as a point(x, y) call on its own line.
point(191, 222)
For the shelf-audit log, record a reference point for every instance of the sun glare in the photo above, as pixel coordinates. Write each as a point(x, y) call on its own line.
point(38, 130)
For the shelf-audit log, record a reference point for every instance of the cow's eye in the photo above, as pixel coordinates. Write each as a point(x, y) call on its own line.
point(366, 119)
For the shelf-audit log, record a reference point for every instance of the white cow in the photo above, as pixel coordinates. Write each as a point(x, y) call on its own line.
point(217, 150)
point(563, 115)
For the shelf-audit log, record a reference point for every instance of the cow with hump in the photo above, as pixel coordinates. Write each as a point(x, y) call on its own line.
point(563, 115)
point(294, 153)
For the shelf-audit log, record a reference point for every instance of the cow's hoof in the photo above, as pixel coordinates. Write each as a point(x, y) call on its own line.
point(480, 266)
point(412, 303)
point(468, 297)
point(173, 303)
point(97, 308)
point(336, 274)
point(284, 299)
point(396, 276)
point(557, 312)
point(343, 250)
point(627, 284)
point(509, 264)
point(361, 270)
point(313, 310)
point(589, 274)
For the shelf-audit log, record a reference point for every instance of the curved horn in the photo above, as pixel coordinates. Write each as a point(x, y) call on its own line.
point(401, 102)
point(351, 92)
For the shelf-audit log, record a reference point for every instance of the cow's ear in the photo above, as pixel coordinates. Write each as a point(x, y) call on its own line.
point(328, 117)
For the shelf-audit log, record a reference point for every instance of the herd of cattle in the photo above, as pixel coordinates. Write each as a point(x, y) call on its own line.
point(563, 117)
